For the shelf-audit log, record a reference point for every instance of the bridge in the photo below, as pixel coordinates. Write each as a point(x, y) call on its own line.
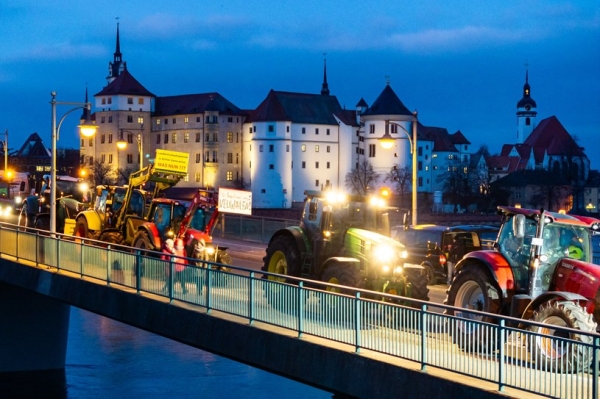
point(347, 343)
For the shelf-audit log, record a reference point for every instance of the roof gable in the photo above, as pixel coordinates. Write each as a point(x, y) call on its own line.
point(552, 138)
point(387, 103)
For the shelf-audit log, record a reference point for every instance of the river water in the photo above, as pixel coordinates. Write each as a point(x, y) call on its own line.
point(108, 359)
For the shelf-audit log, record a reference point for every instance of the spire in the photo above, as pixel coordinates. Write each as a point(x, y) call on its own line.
point(117, 65)
point(86, 112)
point(325, 87)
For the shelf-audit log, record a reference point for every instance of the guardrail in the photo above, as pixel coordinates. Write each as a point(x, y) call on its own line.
point(503, 350)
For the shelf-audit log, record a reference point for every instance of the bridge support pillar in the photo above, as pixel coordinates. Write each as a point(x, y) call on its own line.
point(34, 330)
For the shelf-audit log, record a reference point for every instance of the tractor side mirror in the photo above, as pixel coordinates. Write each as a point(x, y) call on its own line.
point(519, 226)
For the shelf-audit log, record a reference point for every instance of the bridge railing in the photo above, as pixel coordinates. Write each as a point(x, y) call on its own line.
point(556, 361)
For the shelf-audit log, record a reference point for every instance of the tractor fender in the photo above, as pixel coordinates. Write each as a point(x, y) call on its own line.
point(297, 234)
point(33, 204)
point(93, 219)
point(353, 262)
point(413, 266)
point(153, 234)
point(552, 295)
point(496, 264)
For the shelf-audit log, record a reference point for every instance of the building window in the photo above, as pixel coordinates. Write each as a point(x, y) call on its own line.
point(237, 158)
point(141, 120)
point(207, 136)
point(229, 176)
point(174, 120)
point(230, 157)
point(102, 138)
point(393, 128)
point(328, 164)
point(110, 119)
point(215, 159)
point(263, 191)
point(420, 165)
point(420, 151)
point(102, 119)
point(420, 182)
point(110, 158)
point(198, 157)
point(371, 150)
point(527, 121)
point(140, 100)
point(316, 148)
point(215, 137)
point(186, 137)
point(230, 137)
point(129, 100)
point(328, 132)
point(174, 138)
point(287, 148)
point(103, 100)
point(303, 130)
point(197, 177)
point(110, 138)
point(317, 183)
point(303, 165)
point(197, 119)
point(250, 130)
point(129, 158)
point(102, 158)
point(328, 148)
point(157, 121)
point(271, 148)
point(207, 156)
point(166, 138)
point(450, 156)
point(198, 137)
point(185, 119)
point(158, 139)
point(317, 131)
point(260, 148)
point(303, 147)
point(271, 128)
point(271, 166)
point(287, 129)
point(129, 118)
point(371, 129)
point(166, 121)
point(316, 165)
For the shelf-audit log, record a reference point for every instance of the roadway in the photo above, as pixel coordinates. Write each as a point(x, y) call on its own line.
point(249, 254)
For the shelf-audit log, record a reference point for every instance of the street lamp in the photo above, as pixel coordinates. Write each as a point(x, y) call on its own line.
point(87, 129)
point(122, 143)
point(387, 142)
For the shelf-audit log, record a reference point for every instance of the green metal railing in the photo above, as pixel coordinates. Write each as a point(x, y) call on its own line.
point(499, 352)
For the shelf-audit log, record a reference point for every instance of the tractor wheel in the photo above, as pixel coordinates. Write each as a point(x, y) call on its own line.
point(342, 274)
point(554, 355)
point(283, 257)
point(429, 274)
point(473, 288)
point(111, 237)
point(223, 258)
point(142, 242)
point(418, 280)
point(81, 228)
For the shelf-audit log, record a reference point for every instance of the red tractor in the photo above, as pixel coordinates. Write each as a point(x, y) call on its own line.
point(540, 269)
point(192, 221)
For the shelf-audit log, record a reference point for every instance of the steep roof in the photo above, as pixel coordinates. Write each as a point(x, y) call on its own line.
point(524, 178)
point(387, 103)
point(33, 147)
point(442, 142)
point(552, 138)
point(298, 108)
point(459, 138)
point(124, 84)
point(193, 104)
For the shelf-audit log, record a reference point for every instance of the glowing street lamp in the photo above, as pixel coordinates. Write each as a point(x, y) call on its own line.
point(387, 142)
point(87, 129)
point(121, 144)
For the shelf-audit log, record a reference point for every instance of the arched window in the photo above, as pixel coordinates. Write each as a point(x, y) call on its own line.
point(527, 121)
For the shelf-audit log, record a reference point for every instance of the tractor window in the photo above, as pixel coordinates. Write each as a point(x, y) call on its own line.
point(198, 221)
point(162, 218)
point(3, 190)
point(118, 198)
point(136, 205)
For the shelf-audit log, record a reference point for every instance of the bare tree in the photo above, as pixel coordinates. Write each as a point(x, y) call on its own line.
point(401, 178)
point(361, 179)
point(458, 183)
point(101, 174)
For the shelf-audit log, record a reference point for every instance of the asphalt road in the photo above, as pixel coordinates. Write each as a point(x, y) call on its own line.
point(249, 254)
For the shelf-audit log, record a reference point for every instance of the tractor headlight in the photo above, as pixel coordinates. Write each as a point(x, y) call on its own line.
point(383, 253)
point(398, 270)
point(18, 199)
point(210, 249)
point(404, 254)
point(385, 269)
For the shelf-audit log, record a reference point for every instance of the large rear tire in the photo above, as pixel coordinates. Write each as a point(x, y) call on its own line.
point(554, 355)
point(418, 280)
point(283, 257)
point(342, 274)
point(81, 228)
point(473, 288)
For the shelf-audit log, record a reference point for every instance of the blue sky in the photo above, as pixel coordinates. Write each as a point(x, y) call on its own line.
point(461, 64)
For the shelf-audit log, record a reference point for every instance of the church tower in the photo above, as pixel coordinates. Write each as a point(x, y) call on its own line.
point(117, 65)
point(526, 112)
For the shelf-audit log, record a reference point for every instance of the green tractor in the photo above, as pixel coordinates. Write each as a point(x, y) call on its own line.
point(345, 240)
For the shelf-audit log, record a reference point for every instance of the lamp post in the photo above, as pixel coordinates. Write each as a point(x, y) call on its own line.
point(87, 129)
point(123, 143)
point(387, 142)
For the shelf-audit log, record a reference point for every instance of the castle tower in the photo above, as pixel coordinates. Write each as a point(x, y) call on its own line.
point(526, 112)
point(117, 65)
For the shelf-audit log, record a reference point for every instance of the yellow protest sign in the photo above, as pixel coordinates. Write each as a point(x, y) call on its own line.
point(171, 161)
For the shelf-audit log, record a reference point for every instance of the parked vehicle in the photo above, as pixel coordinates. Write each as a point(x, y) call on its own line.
point(191, 221)
point(344, 239)
point(118, 222)
point(73, 196)
point(539, 270)
point(430, 245)
point(19, 187)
